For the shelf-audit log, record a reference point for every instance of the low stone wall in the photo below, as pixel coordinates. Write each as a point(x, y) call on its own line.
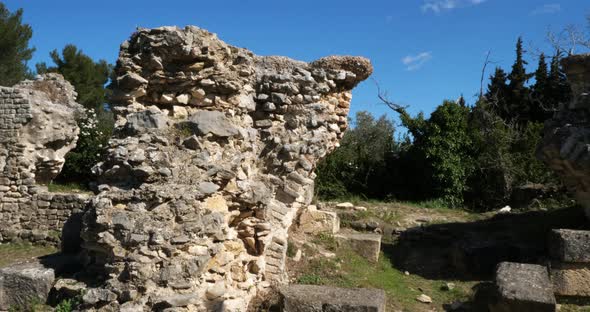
point(36, 131)
point(37, 217)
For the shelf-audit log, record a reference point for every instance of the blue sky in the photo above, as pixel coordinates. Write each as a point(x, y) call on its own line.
point(423, 51)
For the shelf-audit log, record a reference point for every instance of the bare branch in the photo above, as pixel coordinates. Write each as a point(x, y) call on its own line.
point(382, 95)
point(483, 72)
point(568, 39)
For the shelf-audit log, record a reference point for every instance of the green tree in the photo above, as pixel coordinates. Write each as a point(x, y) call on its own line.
point(14, 47)
point(442, 147)
point(87, 76)
point(497, 94)
point(518, 92)
point(558, 91)
point(358, 166)
point(539, 103)
point(448, 147)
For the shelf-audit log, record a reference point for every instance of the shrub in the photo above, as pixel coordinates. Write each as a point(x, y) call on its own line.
point(95, 131)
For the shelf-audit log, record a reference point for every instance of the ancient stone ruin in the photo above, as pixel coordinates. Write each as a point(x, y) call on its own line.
point(212, 157)
point(565, 147)
point(37, 129)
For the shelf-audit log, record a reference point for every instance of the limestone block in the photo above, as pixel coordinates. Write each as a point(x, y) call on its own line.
point(367, 245)
point(310, 298)
point(571, 279)
point(21, 283)
point(313, 221)
point(523, 288)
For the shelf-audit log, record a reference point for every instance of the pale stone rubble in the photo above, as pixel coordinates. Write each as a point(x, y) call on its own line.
point(37, 129)
point(212, 157)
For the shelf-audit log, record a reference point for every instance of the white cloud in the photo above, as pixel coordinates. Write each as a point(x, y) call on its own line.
point(414, 62)
point(547, 9)
point(438, 6)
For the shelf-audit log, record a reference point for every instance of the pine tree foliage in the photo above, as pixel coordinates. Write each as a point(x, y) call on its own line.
point(14, 47)
point(88, 77)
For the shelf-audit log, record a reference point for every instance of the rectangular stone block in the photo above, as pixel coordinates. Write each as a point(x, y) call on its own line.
point(570, 246)
point(367, 245)
point(22, 283)
point(313, 221)
point(571, 279)
point(523, 288)
point(311, 298)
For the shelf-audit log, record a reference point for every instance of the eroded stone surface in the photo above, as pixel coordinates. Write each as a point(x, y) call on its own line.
point(571, 279)
point(309, 298)
point(313, 221)
point(37, 128)
point(523, 288)
point(22, 283)
point(367, 245)
point(213, 154)
point(570, 246)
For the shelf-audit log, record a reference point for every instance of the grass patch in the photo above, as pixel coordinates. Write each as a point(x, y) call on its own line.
point(14, 253)
point(67, 188)
point(349, 270)
point(327, 240)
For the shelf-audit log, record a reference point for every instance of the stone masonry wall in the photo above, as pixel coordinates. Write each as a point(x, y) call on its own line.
point(27, 211)
point(212, 158)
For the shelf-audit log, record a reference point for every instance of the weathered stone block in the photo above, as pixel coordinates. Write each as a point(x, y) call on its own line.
point(313, 221)
point(523, 288)
point(570, 246)
point(571, 279)
point(310, 298)
point(21, 283)
point(367, 245)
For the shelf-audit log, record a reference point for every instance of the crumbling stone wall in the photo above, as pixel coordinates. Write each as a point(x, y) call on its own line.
point(37, 129)
point(566, 143)
point(213, 155)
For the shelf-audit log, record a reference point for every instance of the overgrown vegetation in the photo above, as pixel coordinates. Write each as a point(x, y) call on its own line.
point(463, 156)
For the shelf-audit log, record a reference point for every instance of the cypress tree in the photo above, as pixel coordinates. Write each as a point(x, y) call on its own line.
point(14, 47)
point(540, 104)
point(518, 93)
point(496, 95)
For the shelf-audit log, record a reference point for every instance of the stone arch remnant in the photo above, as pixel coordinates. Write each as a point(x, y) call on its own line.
point(213, 154)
